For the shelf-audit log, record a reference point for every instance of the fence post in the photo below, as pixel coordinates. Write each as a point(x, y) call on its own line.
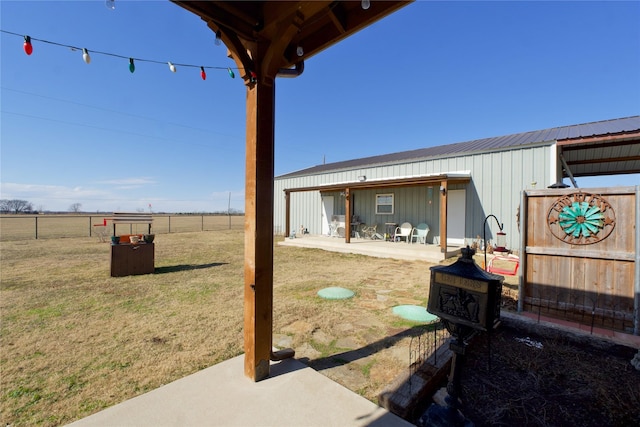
point(36, 227)
point(90, 235)
point(522, 277)
point(169, 224)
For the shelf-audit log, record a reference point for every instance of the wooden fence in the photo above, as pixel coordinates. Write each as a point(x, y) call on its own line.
point(580, 260)
point(20, 227)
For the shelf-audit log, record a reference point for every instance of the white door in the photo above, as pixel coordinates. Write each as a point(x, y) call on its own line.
point(327, 213)
point(456, 205)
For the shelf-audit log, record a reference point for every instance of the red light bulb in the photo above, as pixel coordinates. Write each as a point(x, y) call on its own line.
point(203, 74)
point(28, 48)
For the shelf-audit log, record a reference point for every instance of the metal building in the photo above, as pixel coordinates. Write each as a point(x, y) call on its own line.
point(453, 188)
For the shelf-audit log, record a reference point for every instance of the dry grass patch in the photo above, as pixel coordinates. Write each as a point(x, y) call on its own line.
point(75, 340)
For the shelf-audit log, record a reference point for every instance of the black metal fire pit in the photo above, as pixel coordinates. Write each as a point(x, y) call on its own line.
point(467, 299)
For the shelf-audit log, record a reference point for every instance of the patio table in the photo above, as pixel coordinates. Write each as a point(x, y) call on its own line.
point(390, 231)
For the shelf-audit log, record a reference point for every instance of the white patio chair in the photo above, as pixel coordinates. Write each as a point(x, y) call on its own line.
point(419, 233)
point(404, 231)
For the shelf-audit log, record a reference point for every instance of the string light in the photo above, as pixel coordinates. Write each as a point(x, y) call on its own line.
point(86, 56)
point(28, 48)
point(366, 4)
point(218, 40)
point(110, 4)
point(299, 51)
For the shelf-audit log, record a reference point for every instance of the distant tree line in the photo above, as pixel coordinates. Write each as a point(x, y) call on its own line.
point(15, 206)
point(231, 211)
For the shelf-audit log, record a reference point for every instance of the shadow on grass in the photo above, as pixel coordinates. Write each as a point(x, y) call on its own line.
point(186, 267)
point(343, 358)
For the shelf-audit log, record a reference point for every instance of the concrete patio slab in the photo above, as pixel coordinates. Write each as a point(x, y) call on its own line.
point(294, 395)
point(375, 248)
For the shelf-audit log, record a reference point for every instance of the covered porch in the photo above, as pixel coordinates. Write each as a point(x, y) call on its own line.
point(441, 182)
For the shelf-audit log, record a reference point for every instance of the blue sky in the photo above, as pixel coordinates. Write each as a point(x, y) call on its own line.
point(433, 73)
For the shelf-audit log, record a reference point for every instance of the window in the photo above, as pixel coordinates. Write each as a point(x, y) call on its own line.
point(384, 204)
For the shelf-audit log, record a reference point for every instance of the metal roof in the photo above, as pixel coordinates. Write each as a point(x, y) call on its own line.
point(587, 130)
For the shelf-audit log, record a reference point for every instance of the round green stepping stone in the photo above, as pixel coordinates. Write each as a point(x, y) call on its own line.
point(335, 292)
point(415, 313)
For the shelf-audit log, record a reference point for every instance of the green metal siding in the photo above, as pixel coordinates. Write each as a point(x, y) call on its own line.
point(497, 180)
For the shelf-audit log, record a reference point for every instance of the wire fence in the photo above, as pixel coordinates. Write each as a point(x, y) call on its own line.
point(612, 313)
point(426, 347)
point(25, 227)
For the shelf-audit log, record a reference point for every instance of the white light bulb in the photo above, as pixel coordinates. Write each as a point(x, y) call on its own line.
point(110, 4)
point(172, 67)
point(85, 56)
point(299, 51)
point(366, 4)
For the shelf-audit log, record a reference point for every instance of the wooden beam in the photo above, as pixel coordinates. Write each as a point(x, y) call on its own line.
point(258, 230)
point(218, 13)
point(381, 184)
point(603, 141)
point(603, 160)
point(274, 56)
point(443, 216)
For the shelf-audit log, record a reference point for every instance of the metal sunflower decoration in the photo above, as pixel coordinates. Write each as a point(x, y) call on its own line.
point(581, 219)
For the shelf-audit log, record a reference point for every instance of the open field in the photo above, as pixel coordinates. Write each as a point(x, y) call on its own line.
point(74, 340)
point(20, 227)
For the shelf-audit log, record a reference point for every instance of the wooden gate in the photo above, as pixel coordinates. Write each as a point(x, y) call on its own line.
point(580, 257)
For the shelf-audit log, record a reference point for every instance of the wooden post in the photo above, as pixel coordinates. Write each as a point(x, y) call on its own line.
point(258, 229)
point(443, 216)
point(287, 214)
point(347, 220)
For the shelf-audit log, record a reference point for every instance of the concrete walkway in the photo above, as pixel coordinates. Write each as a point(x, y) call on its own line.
point(294, 395)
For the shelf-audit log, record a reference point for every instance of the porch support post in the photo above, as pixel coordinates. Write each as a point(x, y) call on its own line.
point(258, 228)
point(287, 215)
point(347, 219)
point(444, 191)
point(636, 285)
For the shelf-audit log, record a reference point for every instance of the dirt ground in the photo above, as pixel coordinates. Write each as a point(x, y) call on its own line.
point(547, 378)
